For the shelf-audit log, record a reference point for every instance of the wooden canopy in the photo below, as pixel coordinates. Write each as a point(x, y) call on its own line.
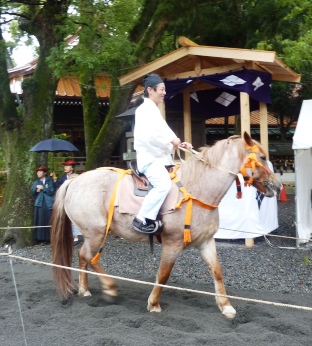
point(192, 60)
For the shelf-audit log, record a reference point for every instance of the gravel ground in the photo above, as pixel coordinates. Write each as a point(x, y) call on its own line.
point(261, 273)
point(282, 268)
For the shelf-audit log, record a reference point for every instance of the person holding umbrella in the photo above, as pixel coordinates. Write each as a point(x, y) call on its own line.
point(44, 190)
point(69, 173)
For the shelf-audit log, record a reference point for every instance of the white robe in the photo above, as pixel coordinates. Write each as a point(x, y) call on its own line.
point(152, 136)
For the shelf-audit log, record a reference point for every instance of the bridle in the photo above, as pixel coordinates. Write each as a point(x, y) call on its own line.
point(250, 164)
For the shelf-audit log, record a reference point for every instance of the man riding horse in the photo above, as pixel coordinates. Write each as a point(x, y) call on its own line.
point(153, 143)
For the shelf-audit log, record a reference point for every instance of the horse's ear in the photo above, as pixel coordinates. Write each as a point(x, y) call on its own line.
point(248, 139)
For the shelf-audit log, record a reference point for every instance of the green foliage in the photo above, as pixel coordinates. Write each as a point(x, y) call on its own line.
point(306, 261)
point(63, 136)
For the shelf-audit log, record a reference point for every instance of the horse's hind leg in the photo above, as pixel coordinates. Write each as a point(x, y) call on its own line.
point(108, 284)
point(109, 287)
point(168, 258)
point(209, 254)
point(83, 290)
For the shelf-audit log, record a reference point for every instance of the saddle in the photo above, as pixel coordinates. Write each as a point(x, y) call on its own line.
point(141, 184)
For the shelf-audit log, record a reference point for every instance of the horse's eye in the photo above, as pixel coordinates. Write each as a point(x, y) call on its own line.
point(263, 158)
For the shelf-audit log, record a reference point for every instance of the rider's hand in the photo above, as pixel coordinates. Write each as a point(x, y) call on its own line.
point(186, 145)
point(176, 142)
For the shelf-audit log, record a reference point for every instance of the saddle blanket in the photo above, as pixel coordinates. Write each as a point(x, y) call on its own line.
point(128, 203)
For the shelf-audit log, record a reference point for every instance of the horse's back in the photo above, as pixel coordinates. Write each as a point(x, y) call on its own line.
point(90, 193)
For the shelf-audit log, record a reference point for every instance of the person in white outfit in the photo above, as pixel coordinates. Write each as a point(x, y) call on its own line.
point(153, 143)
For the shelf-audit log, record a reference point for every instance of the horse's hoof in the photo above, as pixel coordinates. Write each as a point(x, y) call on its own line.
point(229, 312)
point(84, 293)
point(151, 308)
point(87, 294)
point(109, 299)
point(110, 293)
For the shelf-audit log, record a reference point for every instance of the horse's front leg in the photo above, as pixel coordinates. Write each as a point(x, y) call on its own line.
point(209, 254)
point(167, 261)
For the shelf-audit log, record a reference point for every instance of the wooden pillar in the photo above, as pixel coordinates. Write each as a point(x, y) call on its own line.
point(187, 117)
point(162, 108)
point(245, 126)
point(264, 135)
point(245, 113)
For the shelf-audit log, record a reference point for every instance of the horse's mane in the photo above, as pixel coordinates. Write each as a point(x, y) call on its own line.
point(210, 156)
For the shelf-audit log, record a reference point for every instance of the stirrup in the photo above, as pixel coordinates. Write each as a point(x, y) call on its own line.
point(153, 228)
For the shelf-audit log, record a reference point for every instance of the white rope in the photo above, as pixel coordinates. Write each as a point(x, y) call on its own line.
point(17, 297)
point(8, 227)
point(268, 235)
point(166, 286)
point(229, 229)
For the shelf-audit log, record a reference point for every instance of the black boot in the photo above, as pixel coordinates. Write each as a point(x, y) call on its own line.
point(152, 227)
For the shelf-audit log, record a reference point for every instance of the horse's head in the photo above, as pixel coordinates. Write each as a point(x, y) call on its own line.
point(256, 171)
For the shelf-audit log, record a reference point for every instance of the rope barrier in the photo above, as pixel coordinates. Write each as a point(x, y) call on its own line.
point(164, 286)
point(22, 227)
point(228, 229)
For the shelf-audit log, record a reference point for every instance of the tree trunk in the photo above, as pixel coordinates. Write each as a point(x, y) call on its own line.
point(113, 128)
point(34, 125)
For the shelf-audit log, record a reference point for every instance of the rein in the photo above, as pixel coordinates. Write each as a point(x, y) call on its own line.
point(242, 176)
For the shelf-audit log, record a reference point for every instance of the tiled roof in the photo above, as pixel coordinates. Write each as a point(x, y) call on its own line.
point(70, 87)
point(254, 120)
point(67, 87)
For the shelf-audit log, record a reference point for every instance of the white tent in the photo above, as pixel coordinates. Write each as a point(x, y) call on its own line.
point(302, 145)
point(246, 217)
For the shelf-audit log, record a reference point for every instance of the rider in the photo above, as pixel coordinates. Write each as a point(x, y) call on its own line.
point(153, 143)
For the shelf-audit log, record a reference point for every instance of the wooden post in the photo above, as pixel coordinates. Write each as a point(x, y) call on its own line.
point(264, 135)
point(162, 108)
point(245, 126)
point(187, 117)
point(245, 113)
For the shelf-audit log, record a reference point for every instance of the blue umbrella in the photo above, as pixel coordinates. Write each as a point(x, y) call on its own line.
point(53, 145)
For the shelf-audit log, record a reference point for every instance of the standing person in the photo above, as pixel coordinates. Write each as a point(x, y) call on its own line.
point(44, 191)
point(69, 173)
point(153, 143)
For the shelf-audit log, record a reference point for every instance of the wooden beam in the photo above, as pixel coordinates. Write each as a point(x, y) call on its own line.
point(245, 126)
point(185, 42)
point(205, 71)
point(197, 66)
point(137, 75)
point(187, 117)
point(286, 78)
point(264, 135)
point(245, 113)
point(162, 108)
point(233, 53)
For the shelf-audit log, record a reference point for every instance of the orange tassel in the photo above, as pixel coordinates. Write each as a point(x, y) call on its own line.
point(239, 194)
point(187, 236)
point(96, 258)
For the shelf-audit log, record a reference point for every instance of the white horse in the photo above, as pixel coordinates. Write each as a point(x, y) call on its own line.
point(206, 176)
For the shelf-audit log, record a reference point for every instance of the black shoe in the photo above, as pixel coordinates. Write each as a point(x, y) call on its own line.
point(153, 227)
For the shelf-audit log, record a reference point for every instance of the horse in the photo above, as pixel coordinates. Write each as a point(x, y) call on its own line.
point(206, 176)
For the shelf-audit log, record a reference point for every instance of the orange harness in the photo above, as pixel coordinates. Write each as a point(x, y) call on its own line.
point(110, 214)
point(188, 198)
point(251, 162)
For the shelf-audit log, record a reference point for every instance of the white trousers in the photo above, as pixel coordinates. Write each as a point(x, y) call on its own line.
point(75, 230)
point(159, 177)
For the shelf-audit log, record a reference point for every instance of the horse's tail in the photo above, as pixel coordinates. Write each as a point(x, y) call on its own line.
point(62, 243)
